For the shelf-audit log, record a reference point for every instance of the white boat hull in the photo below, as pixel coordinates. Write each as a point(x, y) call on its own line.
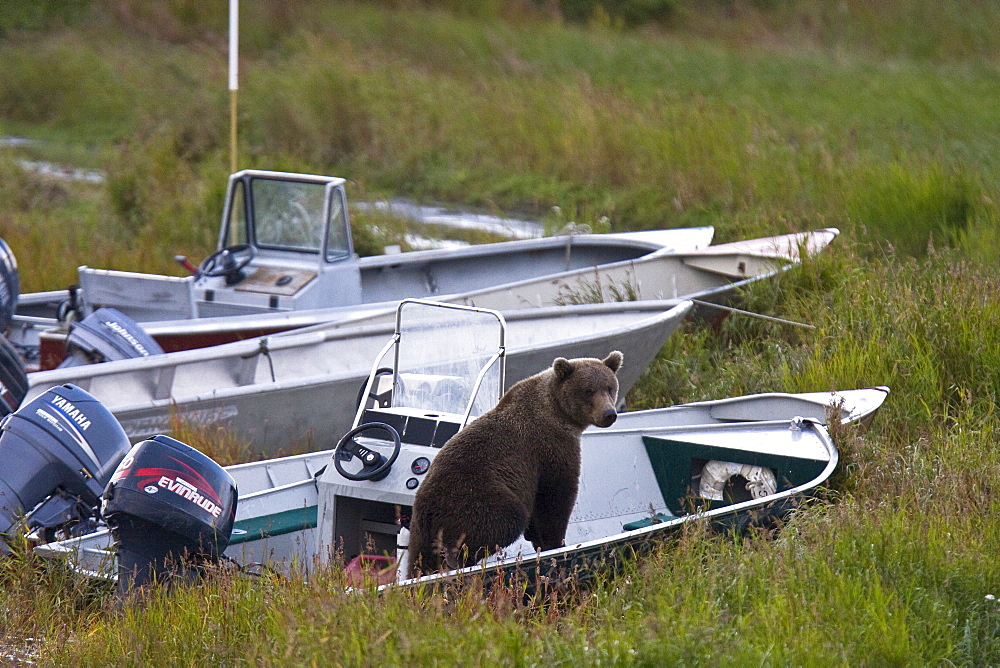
point(286, 508)
point(300, 389)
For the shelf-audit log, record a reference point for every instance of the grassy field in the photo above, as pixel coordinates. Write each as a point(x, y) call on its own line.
point(755, 116)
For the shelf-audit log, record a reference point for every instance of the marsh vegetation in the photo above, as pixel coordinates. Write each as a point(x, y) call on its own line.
point(757, 117)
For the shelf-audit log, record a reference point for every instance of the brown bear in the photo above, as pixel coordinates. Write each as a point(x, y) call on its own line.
point(515, 469)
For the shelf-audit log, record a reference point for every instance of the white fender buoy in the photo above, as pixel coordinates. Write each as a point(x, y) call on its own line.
point(715, 475)
point(402, 553)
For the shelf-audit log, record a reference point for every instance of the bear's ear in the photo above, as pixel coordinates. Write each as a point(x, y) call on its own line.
point(614, 360)
point(563, 368)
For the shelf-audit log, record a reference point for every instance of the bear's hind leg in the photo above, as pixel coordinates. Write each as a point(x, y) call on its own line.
point(498, 522)
point(423, 557)
point(547, 525)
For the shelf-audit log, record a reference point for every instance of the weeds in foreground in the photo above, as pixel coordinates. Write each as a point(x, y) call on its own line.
point(915, 585)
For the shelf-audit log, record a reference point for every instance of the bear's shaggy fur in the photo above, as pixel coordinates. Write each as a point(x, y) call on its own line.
point(513, 470)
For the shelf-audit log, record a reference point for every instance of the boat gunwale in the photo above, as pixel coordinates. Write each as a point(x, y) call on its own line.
point(255, 321)
point(295, 339)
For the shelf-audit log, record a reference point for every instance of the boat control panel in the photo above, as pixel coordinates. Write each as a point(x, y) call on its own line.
point(275, 281)
point(365, 516)
point(417, 427)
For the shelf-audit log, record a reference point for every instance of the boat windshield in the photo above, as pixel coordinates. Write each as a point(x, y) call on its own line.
point(441, 352)
point(289, 215)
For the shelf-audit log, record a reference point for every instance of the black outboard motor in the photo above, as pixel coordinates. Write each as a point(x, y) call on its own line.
point(170, 509)
point(10, 285)
point(13, 378)
point(107, 335)
point(57, 453)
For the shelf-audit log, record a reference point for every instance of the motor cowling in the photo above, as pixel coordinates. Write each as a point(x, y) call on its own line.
point(10, 285)
point(13, 377)
point(58, 453)
point(170, 509)
point(107, 335)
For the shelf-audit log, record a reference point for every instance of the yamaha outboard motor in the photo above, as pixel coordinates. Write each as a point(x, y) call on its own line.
point(13, 378)
point(170, 509)
point(57, 453)
point(10, 285)
point(107, 335)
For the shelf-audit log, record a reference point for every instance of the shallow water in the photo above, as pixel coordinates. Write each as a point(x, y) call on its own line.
point(433, 215)
point(436, 215)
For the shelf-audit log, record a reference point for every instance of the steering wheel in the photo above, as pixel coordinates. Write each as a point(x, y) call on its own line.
point(375, 466)
point(228, 262)
point(373, 395)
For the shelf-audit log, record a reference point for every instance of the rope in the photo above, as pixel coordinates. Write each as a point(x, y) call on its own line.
point(264, 350)
point(751, 313)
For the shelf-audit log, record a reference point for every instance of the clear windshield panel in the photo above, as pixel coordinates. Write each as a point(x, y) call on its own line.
point(288, 215)
point(338, 246)
point(441, 352)
point(236, 230)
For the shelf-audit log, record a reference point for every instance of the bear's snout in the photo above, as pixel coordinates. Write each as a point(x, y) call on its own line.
point(608, 418)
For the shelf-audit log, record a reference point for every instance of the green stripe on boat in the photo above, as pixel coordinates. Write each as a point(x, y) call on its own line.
point(658, 518)
point(277, 524)
point(675, 462)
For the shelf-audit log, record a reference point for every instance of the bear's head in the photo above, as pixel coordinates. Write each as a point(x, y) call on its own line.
point(586, 389)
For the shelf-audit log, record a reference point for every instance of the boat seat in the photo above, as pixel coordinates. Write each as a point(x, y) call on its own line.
point(143, 297)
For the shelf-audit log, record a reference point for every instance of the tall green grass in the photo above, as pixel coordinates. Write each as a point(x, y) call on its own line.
point(805, 125)
point(843, 584)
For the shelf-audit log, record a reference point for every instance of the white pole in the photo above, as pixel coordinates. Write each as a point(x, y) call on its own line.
point(234, 41)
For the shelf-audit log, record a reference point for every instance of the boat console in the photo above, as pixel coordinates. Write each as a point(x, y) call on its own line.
point(365, 494)
point(417, 427)
point(285, 245)
point(364, 516)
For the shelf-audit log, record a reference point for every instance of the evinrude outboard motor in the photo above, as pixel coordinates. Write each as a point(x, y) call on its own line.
point(13, 378)
point(10, 285)
point(107, 335)
point(170, 509)
point(58, 453)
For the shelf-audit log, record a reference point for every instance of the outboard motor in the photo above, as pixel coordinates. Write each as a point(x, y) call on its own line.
point(170, 510)
point(13, 378)
point(58, 453)
point(10, 285)
point(107, 335)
